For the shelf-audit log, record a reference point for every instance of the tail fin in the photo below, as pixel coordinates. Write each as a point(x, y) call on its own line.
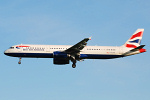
point(135, 40)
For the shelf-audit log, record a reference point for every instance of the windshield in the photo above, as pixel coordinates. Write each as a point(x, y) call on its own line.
point(11, 48)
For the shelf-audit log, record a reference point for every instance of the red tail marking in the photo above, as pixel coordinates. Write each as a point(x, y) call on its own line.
point(142, 50)
point(139, 34)
point(130, 46)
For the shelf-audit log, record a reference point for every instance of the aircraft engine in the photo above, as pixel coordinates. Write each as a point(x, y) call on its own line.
point(60, 61)
point(60, 58)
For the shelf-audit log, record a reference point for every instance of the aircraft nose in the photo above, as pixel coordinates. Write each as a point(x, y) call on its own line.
point(6, 52)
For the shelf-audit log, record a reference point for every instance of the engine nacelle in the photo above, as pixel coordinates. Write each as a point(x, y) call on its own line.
point(58, 54)
point(60, 58)
point(60, 61)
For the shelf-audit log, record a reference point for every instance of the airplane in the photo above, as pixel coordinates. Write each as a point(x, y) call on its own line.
point(63, 54)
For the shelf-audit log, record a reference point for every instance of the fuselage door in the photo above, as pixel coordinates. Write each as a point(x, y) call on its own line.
point(19, 48)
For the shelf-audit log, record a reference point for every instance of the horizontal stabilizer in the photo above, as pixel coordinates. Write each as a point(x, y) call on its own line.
point(140, 47)
point(135, 49)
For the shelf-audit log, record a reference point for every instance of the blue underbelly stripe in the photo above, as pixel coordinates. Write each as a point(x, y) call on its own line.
point(50, 55)
point(99, 56)
point(34, 55)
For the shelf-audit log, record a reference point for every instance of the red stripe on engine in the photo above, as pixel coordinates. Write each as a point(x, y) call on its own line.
point(139, 34)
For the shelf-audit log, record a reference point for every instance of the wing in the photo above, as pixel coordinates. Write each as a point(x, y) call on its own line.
point(77, 47)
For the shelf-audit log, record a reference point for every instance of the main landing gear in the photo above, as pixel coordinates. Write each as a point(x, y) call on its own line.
point(19, 61)
point(74, 64)
point(73, 60)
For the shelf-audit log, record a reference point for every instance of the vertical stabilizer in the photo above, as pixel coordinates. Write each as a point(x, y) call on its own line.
point(135, 40)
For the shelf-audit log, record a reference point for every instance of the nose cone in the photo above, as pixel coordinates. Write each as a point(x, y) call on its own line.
point(6, 52)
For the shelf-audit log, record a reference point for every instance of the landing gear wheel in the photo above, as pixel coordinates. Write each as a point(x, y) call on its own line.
point(73, 60)
point(19, 61)
point(73, 65)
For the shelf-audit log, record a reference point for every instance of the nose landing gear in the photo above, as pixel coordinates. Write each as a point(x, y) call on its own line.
point(19, 61)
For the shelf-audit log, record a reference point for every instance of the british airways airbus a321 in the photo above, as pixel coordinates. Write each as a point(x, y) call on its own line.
point(63, 54)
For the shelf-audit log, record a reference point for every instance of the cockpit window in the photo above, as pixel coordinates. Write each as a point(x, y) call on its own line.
point(11, 48)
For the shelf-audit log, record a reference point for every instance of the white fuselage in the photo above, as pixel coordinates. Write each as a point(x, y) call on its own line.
point(46, 51)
